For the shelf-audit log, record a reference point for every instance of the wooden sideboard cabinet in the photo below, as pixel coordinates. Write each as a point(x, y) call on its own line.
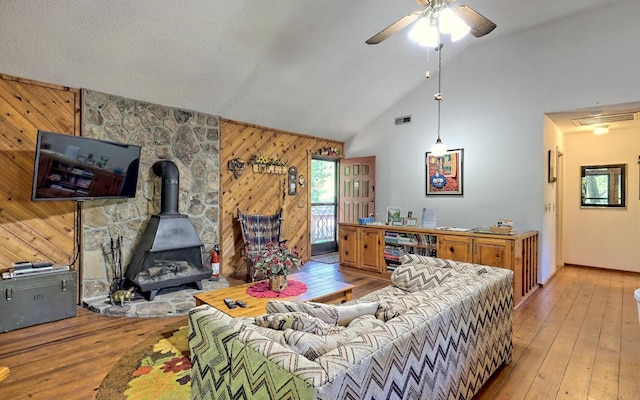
point(377, 248)
point(454, 247)
point(496, 252)
point(361, 248)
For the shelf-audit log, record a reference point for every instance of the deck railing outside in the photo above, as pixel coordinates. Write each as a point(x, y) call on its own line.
point(323, 223)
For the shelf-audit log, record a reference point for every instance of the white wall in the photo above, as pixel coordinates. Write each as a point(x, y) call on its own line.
point(605, 238)
point(552, 141)
point(496, 94)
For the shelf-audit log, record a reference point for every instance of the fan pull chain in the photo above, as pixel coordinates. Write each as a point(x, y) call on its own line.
point(427, 74)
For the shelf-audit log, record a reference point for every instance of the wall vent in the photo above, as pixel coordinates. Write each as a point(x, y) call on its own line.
point(606, 119)
point(403, 120)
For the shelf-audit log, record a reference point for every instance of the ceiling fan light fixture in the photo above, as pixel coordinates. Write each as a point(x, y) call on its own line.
point(434, 10)
point(450, 23)
point(446, 20)
point(459, 30)
point(424, 33)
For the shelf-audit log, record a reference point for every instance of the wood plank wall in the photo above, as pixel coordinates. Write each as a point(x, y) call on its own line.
point(33, 230)
point(257, 193)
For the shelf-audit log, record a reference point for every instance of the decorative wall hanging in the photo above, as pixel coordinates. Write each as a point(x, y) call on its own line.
point(327, 151)
point(292, 187)
point(444, 173)
point(267, 165)
point(236, 166)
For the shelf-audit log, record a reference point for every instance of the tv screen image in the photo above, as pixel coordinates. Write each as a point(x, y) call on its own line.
point(68, 167)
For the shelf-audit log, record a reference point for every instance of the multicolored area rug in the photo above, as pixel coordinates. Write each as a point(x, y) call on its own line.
point(159, 368)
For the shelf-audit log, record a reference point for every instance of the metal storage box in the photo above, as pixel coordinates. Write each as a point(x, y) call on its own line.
point(35, 299)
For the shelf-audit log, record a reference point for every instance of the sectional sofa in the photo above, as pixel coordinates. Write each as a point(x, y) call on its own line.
point(439, 331)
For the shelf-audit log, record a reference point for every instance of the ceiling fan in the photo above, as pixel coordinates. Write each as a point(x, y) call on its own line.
point(435, 15)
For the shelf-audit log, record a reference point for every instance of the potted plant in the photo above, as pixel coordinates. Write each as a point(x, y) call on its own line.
point(275, 263)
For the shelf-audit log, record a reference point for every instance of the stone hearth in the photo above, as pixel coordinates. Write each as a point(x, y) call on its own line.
point(168, 302)
point(188, 138)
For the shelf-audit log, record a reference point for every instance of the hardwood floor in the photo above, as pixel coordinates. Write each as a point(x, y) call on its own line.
point(68, 359)
point(576, 338)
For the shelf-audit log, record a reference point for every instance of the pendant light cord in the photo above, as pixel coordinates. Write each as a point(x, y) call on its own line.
point(439, 95)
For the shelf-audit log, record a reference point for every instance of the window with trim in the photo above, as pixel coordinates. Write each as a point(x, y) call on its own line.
point(603, 185)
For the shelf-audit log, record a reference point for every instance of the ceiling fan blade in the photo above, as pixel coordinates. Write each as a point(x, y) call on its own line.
point(395, 27)
point(479, 24)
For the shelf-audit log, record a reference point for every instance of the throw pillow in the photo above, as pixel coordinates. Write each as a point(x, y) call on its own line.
point(298, 321)
point(325, 312)
point(416, 258)
point(313, 346)
point(437, 262)
point(348, 313)
point(415, 277)
point(332, 314)
point(392, 307)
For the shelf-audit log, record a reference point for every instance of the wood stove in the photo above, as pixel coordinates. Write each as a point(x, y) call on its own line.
point(170, 252)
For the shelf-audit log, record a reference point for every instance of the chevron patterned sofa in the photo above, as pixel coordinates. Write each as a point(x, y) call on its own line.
point(440, 330)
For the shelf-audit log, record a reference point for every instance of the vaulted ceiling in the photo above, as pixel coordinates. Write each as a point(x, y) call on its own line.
point(297, 65)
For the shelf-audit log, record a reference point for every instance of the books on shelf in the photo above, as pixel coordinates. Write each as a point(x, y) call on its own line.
point(400, 238)
point(393, 253)
point(399, 243)
point(407, 239)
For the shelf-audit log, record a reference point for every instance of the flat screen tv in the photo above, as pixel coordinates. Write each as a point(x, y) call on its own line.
point(68, 167)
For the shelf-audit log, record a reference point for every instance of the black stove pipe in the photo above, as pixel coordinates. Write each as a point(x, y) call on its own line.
point(170, 185)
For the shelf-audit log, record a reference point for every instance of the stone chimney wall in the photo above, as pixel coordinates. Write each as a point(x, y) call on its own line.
point(190, 139)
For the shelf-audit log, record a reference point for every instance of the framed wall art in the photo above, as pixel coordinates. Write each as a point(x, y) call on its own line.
point(445, 173)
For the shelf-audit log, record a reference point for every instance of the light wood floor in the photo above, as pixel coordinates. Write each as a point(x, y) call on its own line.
point(576, 338)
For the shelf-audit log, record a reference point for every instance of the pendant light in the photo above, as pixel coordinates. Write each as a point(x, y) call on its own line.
point(439, 149)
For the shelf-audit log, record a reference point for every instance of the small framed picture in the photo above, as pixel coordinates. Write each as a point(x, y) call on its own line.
point(393, 212)
point(411, 222)
point(397, 221)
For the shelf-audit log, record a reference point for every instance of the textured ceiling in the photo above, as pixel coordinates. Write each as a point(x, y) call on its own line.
point(296, 65)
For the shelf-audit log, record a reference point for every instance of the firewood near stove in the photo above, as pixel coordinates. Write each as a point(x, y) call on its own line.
point(163, 267)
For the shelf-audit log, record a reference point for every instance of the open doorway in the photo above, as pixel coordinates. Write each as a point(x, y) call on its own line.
point(580, 234)
point(324, 205)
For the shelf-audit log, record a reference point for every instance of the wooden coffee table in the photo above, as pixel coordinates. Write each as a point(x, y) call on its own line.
point(319, 288)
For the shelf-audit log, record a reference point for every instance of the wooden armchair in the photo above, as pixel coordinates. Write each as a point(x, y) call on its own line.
point(257, 231)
